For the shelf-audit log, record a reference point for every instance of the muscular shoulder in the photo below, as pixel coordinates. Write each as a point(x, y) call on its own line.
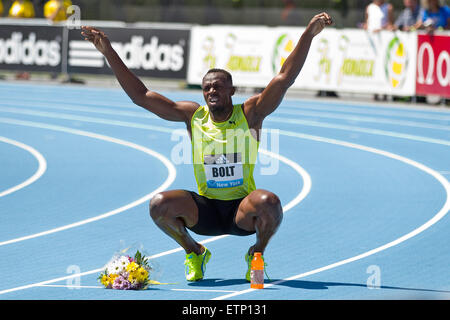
point(188, 108)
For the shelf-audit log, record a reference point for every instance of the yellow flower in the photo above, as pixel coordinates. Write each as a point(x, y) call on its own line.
point(112, 277)
point(105, 280)
point(133, 277)
point(132, 266)
point(108, 280)
point(142, 274)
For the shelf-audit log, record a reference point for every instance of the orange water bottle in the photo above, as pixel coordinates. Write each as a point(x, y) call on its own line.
point(257, 272)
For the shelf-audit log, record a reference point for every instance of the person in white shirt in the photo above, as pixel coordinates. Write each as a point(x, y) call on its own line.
point(379, 15)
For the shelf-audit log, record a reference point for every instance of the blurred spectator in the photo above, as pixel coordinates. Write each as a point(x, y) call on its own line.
point(56, 10)
point(21, 9)
point(436, 15)
point(289, 15)
point(379, 15)
point(409, 16)
point(289, 5)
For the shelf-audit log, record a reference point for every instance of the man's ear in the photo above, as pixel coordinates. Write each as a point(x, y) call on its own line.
point(233, 90)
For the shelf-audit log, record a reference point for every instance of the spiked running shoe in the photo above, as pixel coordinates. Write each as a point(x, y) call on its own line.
point(195, 265)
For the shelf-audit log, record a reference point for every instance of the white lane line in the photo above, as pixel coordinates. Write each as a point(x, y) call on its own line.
point(377, 120)
point(321, 102)
point(442, 212)
point(302, 194)
point(70, 286)
point(202, 290)
point(108, 109)
point(358, 129)
point(100, 287)
point(42, 166)
point(63, 116)
point(170, 178)
point(430, 113)
point(398, 110)
point(118, 111)
point(271, 118)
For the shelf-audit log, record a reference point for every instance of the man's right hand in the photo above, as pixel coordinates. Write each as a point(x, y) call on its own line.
point(97, 37)
point(318, 23)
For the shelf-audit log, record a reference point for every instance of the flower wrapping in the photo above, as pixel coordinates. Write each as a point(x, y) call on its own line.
point(126, 273)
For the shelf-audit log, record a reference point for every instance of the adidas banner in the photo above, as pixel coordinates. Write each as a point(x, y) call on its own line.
point(159, 53)
point(31, 48)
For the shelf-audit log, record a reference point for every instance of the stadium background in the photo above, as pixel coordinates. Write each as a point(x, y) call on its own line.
point(267, 12)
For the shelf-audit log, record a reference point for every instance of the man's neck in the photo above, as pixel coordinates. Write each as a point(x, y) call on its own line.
point(222, 115)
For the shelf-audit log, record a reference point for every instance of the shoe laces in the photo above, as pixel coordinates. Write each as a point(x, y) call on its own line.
point(250, 258)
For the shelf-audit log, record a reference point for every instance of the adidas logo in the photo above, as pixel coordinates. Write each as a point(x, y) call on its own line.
point(222, 159)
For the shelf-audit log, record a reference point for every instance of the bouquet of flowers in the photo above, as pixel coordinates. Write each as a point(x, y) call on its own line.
point(126, 273)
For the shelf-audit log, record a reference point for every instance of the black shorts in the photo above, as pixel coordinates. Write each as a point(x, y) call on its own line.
point(217, 217)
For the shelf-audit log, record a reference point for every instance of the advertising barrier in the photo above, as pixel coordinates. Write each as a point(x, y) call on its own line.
point(362, 62)
point(345, 60)
point(31, 48)
point(158, 53)
point(151, 52)
point(243, 51)
point(433, 65)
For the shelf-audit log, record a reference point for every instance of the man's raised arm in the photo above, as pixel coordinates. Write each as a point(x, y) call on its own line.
point(133, 86)
point(267, 101)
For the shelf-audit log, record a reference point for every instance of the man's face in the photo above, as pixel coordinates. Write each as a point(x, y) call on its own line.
point(217, 91)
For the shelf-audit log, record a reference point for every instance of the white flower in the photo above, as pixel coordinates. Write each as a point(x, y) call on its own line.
point(123, 263)
point(117, 265)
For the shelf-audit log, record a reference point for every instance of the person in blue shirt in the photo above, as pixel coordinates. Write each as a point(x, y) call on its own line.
point(409, 16)
point(435, 16)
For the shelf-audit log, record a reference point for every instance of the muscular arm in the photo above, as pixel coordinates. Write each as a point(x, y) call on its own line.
point(260, 106)
point(135, 88)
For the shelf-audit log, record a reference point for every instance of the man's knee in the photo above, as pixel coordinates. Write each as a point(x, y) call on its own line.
point(158, 205)
point(168, 205)
point(269, 204)
point(270, 199)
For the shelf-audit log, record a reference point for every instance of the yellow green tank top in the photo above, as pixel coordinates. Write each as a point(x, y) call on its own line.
point(224, 155)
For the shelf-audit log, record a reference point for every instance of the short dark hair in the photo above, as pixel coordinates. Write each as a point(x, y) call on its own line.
point(224, 72)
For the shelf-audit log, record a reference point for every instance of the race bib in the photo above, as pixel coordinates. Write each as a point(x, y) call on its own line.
point(223, 170)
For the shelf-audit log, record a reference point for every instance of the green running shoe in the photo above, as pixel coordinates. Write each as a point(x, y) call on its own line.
point(248, 259)
point(196, 265)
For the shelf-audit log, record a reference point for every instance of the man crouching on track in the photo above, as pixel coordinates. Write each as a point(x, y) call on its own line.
point(227, 201)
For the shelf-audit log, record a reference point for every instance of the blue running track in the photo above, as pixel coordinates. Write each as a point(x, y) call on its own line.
point(364, 188)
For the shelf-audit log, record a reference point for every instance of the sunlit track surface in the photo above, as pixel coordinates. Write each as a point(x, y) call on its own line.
point(364, 187)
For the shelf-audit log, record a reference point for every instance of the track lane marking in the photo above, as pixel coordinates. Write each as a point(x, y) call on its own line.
point(170, 178)
point(42, 166)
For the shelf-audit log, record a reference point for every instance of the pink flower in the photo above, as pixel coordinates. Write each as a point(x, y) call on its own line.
point(121, 283)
